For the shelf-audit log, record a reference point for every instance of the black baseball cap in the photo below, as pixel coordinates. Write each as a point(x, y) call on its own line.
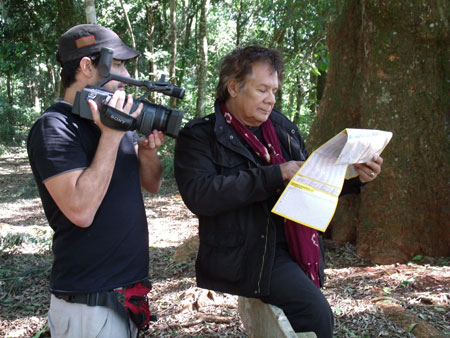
point(87, 39)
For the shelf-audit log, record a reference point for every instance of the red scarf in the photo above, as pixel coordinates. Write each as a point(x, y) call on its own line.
point(303, 242)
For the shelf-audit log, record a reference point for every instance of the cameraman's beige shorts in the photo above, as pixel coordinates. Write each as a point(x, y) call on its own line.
point(71, 320)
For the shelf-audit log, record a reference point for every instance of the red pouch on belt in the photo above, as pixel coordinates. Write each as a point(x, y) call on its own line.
point(136, 304)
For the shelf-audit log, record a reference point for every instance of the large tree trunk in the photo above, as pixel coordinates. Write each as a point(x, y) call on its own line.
point(202, 71)
point(388, 61)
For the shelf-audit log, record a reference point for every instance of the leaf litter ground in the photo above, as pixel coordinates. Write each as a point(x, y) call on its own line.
point(399, 300)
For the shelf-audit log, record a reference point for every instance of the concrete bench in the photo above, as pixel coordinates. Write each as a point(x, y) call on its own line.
point(262, 320)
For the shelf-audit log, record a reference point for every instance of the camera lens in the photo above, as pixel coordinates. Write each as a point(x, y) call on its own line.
point(157, 117)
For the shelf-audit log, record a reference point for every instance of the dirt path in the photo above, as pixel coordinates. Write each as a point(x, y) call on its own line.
point(368, 301)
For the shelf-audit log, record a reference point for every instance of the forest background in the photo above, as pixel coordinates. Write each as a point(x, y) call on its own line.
point(354, 63)
point(349, 64)
point(184, 40)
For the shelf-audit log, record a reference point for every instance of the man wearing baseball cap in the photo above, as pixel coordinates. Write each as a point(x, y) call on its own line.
point(89, 179)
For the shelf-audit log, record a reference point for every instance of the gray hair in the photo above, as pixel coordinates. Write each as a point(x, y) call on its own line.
point(238, 65)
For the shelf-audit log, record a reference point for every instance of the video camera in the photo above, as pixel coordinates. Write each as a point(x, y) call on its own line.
point(153, 116)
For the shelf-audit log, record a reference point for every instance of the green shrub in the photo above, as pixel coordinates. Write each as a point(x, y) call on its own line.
point(166, 153)
point(15, 124)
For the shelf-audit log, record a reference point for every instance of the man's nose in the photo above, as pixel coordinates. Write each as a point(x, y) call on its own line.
point(270, 98)
point(125, 72)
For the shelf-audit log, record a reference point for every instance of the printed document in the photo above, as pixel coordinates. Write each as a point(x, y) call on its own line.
point(311, 196)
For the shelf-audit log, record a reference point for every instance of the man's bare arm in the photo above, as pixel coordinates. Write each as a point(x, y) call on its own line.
point(79, 193)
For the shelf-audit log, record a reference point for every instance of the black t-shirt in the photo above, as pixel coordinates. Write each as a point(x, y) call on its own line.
point(113, 251)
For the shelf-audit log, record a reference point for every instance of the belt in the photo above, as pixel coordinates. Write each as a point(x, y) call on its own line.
point(90, 299)
point(107, 299)
point(96, 298)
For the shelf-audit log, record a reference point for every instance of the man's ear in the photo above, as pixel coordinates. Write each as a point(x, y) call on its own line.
point(233, 87)
point(86, 66)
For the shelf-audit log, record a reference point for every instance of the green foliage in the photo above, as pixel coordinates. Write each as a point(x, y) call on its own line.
point(411, 327)
point(417, 258)
point(16, 122)
point(350, 333)
point(445, 261)
point(387, 290)
point(406, 283)
point(30, 31)
point(166, 154)
point(41, 331)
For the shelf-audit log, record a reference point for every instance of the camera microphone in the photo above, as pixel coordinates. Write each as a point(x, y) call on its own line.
point(174, 91)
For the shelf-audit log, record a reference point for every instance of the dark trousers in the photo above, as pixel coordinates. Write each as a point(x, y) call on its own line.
point(303, 303)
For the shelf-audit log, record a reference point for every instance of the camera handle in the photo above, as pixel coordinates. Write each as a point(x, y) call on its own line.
point(160, 86)
point(116, 119)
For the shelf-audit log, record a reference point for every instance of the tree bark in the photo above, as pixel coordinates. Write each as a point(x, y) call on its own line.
point(240, 23)
point(91, 16)
point(388, 61)
point(203, 51)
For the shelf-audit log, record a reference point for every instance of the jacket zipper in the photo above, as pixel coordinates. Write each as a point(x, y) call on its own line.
point(267, 227)
point(264, 256)
point(265, 247)
point(289, 145)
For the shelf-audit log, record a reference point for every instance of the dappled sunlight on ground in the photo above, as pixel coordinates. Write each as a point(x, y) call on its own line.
point(357, 291)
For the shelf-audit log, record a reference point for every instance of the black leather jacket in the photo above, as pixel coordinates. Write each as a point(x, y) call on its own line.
point(221, 182)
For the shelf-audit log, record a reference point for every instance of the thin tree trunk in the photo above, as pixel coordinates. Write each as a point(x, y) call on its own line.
point(299, 100)
point(278, 40)
point(299, 94)
point(10, 112)
point(173, 45)
point(51, 75)
point(150, 8)
point(192, 11)
point(133, 42)
point(4, 9)
point(203, 66)
point(9, 89)
point(239, 24)
point(91, 16)
point(278, 37)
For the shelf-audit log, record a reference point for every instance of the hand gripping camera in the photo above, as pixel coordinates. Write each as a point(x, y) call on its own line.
point(152, 117)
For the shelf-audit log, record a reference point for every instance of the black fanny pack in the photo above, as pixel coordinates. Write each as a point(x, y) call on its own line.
point(129, 302)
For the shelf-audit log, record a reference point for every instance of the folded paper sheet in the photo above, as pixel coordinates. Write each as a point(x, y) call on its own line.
point(312, 195)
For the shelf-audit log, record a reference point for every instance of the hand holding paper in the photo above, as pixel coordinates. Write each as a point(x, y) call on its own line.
point(369, 171)
point(311, 196)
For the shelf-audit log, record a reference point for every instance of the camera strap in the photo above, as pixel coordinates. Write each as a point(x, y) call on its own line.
point(116, 119)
